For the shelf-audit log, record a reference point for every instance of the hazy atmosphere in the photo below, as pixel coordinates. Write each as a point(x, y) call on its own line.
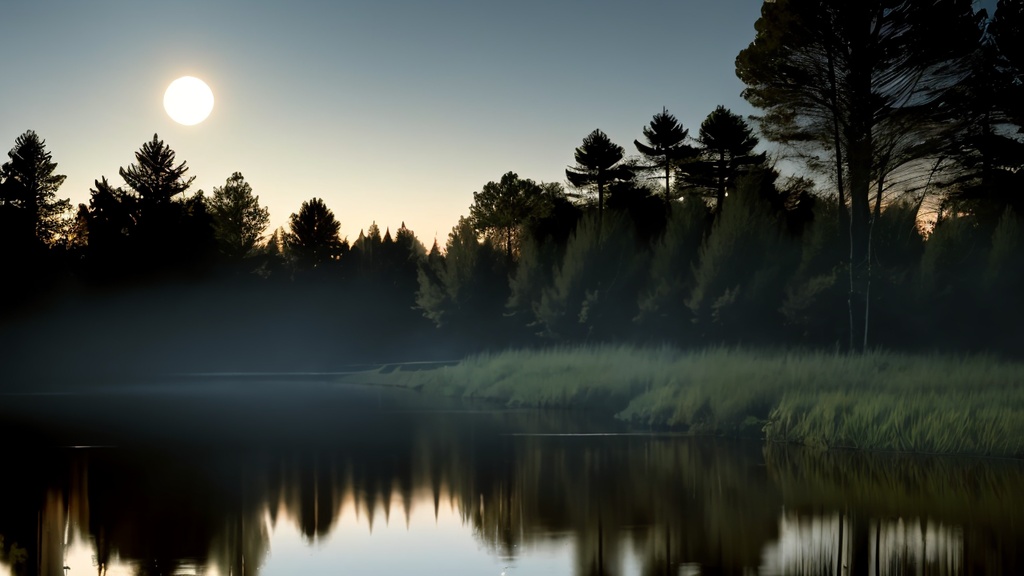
point(588, 289)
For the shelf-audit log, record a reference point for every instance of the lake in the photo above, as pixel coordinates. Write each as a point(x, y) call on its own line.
point(281, 475)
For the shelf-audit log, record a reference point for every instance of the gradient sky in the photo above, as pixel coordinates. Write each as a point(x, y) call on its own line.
point(389, 110)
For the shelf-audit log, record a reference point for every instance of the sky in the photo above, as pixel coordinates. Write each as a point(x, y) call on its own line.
point(391, 111)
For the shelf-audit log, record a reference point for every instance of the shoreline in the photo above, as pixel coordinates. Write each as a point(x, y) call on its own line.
point(879, 401)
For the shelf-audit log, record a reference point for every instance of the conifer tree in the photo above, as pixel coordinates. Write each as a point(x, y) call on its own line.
point(238, 219)
point(154, 176)
point(598, 165)
point(313, 238)
point(29, 208)
point(464, 291)
point(666, 144)
point(727, 149)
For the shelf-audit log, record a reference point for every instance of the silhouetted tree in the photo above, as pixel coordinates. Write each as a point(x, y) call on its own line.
point(541, 251)
point(367, 254)
point(727, 149)
point(1006, 30)
point(111, 222)
point(845, 78)
point(952, 266)
point(814, 307)
point(275, 244)
point(272, 255)
point(557, 221)
point(662, 308)
point(897, 247)
point(1002, 284)
point(29, 208)
point(666, 144)
point(464, 291)
point(593, 294)
point(195, 243)
point(744, 264)
point(313, 234)
point(532, 275)
point(154, 177)
point(72, 232)
point(393, 280)
point(640, 201)
point(985, 148)
point(597, 164)
point(172, 233)
point(501, 209)
point(238, 219)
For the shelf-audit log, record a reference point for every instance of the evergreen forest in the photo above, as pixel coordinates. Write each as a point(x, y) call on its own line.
point(874, 201)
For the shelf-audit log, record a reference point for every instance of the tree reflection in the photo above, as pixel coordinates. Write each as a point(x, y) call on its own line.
point(660, 502)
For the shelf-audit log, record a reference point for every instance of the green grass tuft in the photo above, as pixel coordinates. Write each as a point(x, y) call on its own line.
point(875, 401)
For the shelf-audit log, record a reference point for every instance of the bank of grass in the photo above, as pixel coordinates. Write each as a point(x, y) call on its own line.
point(876, 401)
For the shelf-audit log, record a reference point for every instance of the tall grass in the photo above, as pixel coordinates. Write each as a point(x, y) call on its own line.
point(875, 401)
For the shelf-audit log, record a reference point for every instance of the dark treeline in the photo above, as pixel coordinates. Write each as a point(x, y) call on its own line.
point(902, 228)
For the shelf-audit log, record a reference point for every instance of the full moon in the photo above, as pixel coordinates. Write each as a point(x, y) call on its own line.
point(188, 100)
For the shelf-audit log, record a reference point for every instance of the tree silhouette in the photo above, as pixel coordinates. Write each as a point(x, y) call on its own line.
point(727, 148)
point(172, 232)
point(367, 254)
point(465, 290)
point(740, 278)
point(313, 234)
point(844, 79)
point(985, 148)
point(154, 177)
point(29, 207)
point(596, 166)
point(662, 306)
point(501, 209)
point(666, 144)
point(1003, 282)
point(594, 291)
point(238, 219)
point(1006, 30)
point(111, 222)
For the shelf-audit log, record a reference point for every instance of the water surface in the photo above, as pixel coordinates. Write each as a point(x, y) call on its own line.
point(282, 475)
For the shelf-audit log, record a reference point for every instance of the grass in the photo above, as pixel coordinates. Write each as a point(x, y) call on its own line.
point(876, 401)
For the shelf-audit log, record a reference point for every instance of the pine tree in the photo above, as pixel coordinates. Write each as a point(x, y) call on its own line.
point(727, 149)
point(313, 238)
point(594, 292)
point(154, 177)
point(666, 144)
point(29, 208)
point(597, 165)
point(238, 219)
point(464, 291)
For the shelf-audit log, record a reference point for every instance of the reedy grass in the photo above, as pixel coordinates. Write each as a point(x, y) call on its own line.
point(874, 401)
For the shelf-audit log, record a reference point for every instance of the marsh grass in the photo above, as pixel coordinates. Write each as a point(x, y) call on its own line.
point(875, 401)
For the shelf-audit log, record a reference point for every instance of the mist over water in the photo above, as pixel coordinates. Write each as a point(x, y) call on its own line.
point(278, 475)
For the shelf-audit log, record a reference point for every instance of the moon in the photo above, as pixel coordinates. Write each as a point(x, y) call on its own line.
point(188, 100)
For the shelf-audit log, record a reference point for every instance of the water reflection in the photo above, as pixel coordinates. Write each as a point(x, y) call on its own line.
point(609, 505)
point(815, 545)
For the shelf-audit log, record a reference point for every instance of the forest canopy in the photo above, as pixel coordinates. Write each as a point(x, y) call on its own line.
point(896, 222)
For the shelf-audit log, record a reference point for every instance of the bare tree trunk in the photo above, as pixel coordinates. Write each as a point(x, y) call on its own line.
point(667, 168)
point(844, 217)
point(876, 214)
point(721, 181)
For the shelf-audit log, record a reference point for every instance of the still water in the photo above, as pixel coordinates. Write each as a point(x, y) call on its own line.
point(282, 476)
